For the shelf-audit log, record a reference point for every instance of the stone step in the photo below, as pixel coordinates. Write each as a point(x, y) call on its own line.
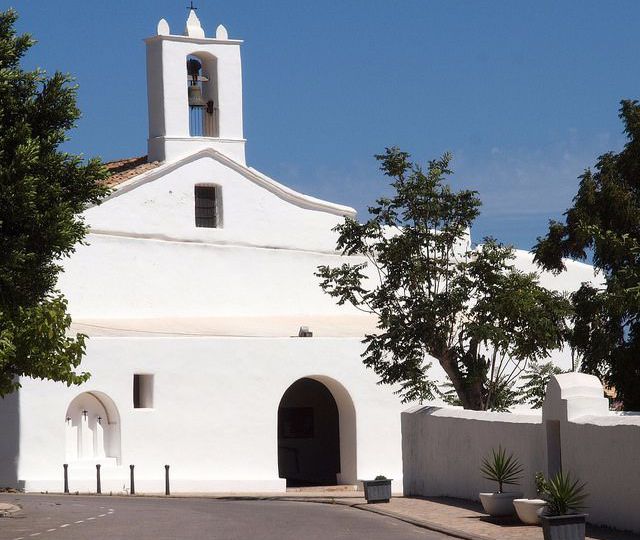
point(323, 489)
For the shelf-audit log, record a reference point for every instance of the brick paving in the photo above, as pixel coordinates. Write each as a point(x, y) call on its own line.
point(467, 517)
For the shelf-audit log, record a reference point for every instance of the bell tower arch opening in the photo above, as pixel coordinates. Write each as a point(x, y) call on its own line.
point(202, 94)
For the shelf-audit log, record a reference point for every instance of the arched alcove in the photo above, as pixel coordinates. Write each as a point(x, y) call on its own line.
point(202, 95)
point(316, 433)
point(92, 425)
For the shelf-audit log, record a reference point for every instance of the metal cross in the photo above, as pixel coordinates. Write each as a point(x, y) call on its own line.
point(191, 6)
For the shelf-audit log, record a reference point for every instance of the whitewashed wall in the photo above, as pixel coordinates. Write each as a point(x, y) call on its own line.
point(118, 277)
point(214, 418)
point(443, 449)
point(605, 453)
point(256, 210)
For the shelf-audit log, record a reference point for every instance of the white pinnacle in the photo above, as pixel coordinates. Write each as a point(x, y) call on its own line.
point(193, 28)
point(163, 28)
point(221, 32)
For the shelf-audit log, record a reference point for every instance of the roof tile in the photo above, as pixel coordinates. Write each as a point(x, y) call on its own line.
point(124, 169)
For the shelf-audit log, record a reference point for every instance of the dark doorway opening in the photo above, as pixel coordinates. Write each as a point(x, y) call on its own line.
point(308, 435)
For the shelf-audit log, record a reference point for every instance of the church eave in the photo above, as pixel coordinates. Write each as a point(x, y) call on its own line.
point(190, 39)
point(283, 192)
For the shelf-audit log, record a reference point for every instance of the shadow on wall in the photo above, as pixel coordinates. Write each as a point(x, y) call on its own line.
point(9, 440)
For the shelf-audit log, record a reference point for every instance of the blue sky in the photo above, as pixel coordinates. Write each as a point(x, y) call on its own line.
point(525, 94)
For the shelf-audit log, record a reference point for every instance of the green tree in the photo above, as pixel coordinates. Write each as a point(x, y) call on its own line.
point(535, 380)
point(470, 310)
point(604, 221)
point(42, 192)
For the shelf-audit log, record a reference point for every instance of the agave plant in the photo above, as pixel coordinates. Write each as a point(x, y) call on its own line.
point(501, 468)
point(564, 495)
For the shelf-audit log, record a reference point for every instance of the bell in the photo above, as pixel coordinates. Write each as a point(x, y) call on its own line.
point(195, 96)
point(193, 68)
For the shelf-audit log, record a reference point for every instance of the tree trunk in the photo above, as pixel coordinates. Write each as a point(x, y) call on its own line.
point(470, 395)
point(474, 393)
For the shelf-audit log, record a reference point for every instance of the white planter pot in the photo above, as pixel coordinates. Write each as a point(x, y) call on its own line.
point(499, 504)
point(527, 510)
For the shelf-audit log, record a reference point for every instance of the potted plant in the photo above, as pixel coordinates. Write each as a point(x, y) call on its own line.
point(377, 490)
point(505, 470)
point(562, 518)
point(527, 509)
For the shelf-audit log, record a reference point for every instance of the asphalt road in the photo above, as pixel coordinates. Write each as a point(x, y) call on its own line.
point(58, 517)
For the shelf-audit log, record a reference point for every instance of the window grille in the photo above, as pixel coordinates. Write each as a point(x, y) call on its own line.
point(207, 200)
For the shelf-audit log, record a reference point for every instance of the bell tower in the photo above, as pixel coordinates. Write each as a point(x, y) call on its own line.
point(194, 91)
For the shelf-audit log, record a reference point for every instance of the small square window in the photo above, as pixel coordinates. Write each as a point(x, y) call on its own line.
point(142, 391)
point(208, 199)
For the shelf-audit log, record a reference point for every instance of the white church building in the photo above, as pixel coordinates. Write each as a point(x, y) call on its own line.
point(211, 346)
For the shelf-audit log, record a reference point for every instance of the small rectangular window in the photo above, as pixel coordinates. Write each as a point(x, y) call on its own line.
point(295, 423)
point(207, 198)
point(142, 391)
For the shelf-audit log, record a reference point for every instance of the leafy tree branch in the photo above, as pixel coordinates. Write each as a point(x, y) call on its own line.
point(42, 193)
point(436, 298)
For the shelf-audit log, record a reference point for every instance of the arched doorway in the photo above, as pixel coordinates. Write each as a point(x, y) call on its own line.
point(316, 434)
point(92, 428)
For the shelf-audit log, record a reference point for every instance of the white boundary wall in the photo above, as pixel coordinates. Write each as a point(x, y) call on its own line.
point(443, 448)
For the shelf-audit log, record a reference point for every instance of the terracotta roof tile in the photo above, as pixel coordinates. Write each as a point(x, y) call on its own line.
point(125, 169)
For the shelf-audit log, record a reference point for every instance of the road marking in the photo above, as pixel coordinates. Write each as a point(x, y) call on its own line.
point(66, 525)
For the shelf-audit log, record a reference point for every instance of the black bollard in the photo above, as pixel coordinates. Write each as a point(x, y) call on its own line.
point(98, 486)
point(132, 491)
point(166, 480)
point(66, 478)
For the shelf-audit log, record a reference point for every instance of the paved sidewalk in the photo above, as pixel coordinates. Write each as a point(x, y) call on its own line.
point(465, 519)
